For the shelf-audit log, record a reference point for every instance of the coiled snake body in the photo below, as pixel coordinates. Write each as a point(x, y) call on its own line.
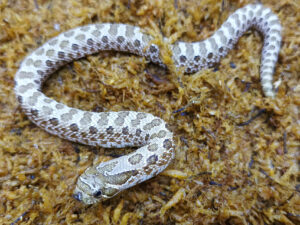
point(129, 128)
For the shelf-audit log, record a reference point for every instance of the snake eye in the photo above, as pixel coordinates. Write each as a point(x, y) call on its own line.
point(97, 194)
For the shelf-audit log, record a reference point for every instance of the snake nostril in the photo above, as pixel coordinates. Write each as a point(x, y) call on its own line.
point(78, 196)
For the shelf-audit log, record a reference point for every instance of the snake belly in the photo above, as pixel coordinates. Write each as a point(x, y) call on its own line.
point(129, 128)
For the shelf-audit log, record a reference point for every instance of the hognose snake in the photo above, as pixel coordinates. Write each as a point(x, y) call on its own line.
point(129, 128)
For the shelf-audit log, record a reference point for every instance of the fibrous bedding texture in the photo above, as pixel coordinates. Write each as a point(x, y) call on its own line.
point(129, 128)
point(212, 134)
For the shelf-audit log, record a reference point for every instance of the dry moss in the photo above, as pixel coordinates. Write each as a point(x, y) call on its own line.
point(237, 152)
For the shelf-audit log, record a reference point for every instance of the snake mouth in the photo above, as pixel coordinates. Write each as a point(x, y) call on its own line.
point(83, 197)
point(78, 196)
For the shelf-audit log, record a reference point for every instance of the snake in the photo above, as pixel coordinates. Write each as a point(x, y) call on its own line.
point(154, 142)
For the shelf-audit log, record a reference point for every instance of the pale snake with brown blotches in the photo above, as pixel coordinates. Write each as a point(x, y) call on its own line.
point(129, 128)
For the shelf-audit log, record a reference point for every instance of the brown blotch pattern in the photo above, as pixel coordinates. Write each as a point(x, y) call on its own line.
point(135, 122)
point(37, 63)
point(80, 37)
point(162, 134)
point(40, 51)
point(189, 50)
point(120, 178)
point(90, 42)
point(75, 47)
point(47, 110)
point(147, 137)
point(69, 33)
point(153, 136)
point(93, 130)
point(138, 132)
point(54, 121)
point(86, 119)
point(110, 130)
point(34, 112)
point(121, 118)
point(167, 144)
point(24, 75)
point(104, 39)
point(120, 39)
point(202, 48)
point(148, 170)
point(59, 105)
point(20, 99)
point(68, 116)
point(125, 130)
point(113, 29)
point(107, 168)
point(85, 28)
point(152, 159)
point(49, 63)
point(135, 159)
point(141, 115)
point(40, 72)
point(32, 100)
point(137, 43)
point(96, 33)
point(64, 44)
point(61, 55)
point(29, 62)
point(213, 43)
point(153, 49)
point(152, 147)
point(229, 27)
point(103, 121)
point(129, 31)
point(48, 100)
point(197, 58)
point(50, 52)
point(176, 50)
point(53, 41)
point(73, 127)
point(153, 123)
point(182, 58)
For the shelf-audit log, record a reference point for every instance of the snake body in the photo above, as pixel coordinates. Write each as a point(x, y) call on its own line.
point(129, 128)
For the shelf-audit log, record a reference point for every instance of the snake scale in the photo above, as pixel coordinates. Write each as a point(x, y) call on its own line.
point(129, 128)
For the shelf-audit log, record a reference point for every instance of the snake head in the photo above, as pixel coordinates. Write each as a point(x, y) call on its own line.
point(92, 187)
